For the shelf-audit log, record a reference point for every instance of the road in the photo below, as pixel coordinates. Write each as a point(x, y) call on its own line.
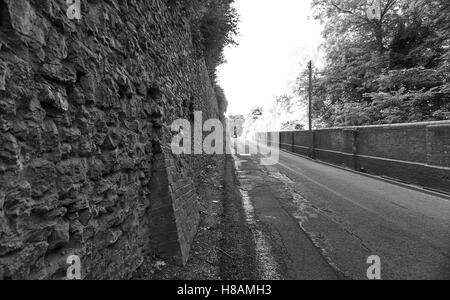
point(316, 221)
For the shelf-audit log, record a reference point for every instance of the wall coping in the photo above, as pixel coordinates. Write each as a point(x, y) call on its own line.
point(417, 124)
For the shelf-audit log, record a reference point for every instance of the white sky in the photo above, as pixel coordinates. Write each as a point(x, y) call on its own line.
point(277, 38)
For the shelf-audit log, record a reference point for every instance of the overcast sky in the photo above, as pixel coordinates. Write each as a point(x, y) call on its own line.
point(276, 39)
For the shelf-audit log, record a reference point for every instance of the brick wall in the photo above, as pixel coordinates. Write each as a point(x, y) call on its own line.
point(414, 153)
point(84, 113)
point(408, 143)
point(438, 145)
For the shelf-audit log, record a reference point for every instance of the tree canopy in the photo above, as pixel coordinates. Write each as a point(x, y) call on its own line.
point(389, 70)
point(215, 27)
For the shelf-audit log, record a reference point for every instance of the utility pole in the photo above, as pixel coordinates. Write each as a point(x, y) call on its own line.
point(312, 150)
point(310, 95)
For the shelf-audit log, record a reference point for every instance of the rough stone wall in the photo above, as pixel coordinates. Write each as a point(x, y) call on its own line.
point(85, 166)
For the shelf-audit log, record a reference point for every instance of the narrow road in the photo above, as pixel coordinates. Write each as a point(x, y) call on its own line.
point(321, 222)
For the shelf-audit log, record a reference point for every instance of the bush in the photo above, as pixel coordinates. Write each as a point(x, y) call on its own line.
point(217, 29)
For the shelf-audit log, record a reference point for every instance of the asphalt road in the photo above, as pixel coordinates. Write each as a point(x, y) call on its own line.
point(321, 222)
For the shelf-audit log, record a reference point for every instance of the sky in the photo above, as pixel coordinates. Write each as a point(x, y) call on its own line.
point(277, 38)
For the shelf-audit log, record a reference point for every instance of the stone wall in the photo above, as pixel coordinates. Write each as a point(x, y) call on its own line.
point(85, 166)
point(414, 153)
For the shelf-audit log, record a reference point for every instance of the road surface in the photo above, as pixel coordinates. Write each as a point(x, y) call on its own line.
point(316, 221)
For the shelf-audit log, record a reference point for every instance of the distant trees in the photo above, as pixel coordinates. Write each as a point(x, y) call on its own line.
point(292, 126)
point(286, 113)
point(391, 70)
point(238, 119)
point(236, 125)
point(257, 112)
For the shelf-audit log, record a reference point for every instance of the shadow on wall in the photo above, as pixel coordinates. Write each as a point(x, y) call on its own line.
point(5, 20)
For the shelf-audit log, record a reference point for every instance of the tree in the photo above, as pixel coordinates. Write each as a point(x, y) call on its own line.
point(405, 79)
point(292, 126)
point(214, 25)
point(236, 125)
point(217, 27)
point(349, 16)
point(256, 113)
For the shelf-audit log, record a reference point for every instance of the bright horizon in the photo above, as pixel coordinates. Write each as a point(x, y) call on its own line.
point(277, 38)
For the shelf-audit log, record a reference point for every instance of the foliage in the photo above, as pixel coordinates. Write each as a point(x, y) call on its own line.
point(215, 28)
point(382, 71)
point(214, 25)
point(286, 113)
point(292, 126)
point(236, 125)
point(236, 119)
point(222, 101)
point(257, 112)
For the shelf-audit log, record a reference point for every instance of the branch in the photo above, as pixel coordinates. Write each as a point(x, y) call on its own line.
point(346, 11)
point(341, 9)
point(389, 5)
